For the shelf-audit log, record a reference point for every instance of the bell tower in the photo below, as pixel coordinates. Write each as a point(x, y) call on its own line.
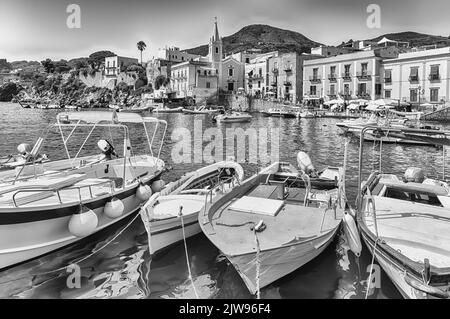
point(216, 51)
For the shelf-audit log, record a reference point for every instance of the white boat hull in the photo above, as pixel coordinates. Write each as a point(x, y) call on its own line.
point(277, 263)
point(33, 231)
point(165, 233)
point(10, 257)
point(396, 273)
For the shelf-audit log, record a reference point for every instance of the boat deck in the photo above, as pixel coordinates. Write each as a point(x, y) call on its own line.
point(288, 221)
point(416, 230)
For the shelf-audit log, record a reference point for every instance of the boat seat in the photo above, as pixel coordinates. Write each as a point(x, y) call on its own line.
point(262, 206)
point(51, 183)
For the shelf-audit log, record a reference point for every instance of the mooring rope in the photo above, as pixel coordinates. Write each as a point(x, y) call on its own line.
point(95, 251)
point(187, 255)
point(258, 264)
point(369, 280)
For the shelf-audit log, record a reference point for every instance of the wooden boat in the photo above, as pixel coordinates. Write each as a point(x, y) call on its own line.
point(71, 107)
point(283, 112)
point(201, 110)
point(26, 103)
point(186, 196)
point(136, 109)
point(307, 115)
point(46, 206)
point(114, 107)
point(405, 225)
point(268, 228)
point(234, 117)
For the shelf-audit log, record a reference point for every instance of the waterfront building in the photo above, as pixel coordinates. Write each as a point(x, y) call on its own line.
point(114, 65)
point(420, 76)
point(195, 79)
point(158, 67)
point(350, 76)
point(257, 81)
point(173, 54)
point(286, 75)
point(327, 51)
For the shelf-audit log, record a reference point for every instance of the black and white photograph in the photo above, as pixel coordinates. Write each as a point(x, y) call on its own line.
point(243, 150)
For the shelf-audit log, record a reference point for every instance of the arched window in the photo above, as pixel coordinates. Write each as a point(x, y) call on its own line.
point(217, 49)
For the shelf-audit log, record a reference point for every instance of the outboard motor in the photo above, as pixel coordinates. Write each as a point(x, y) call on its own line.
point(304, 163)
point(24, 149)
point(107, 149)
point(414, 175)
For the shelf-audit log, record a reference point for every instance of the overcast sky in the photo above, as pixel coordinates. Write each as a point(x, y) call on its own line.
point(36, 29)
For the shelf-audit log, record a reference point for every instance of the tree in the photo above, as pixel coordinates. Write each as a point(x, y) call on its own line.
point(96, 59)
point(141, 47)
point(160, 81)
point(48, 65)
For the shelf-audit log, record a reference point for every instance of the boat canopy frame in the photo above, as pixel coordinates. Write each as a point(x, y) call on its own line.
point(96, 120)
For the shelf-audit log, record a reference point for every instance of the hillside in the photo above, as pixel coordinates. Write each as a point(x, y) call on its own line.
point(263, 37)
point(415, 38)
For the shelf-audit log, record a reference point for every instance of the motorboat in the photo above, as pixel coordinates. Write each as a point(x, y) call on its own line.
point(136, 109)
point(270, 225)
point(201, 110)
point(162, 108)
point(114, 107)
point(283, 112)
point(185, 198)
point(357, 124)
point(50, 205)
point(405, 225)
point(233, 117)
point(307, 115)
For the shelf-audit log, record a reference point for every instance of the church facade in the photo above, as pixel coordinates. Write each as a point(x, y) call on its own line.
point(207, 76)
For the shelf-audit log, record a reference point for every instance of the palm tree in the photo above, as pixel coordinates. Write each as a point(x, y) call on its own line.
point(141, 47)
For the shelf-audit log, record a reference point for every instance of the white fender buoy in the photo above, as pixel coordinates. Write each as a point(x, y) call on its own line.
point(158, 185)
point(114, 208)
point(143, 192)
point(83, 223)
point(352, 234)
point(304, 162)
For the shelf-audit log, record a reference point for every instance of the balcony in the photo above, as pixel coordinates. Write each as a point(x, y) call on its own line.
point(434, 77)
point(288, 68)
point(332, 93)
point(364, 94)
point(347, 77)
point(346, 94)
point(255, 76)
point(364, 75)
point(332, 77)
point(314, 79)
point(273, 83)
point(287, 83)
point(207, 75)
point(388, 80)
point(413, 78)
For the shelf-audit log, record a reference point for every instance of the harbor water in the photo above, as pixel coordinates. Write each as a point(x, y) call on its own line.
point(124, 268)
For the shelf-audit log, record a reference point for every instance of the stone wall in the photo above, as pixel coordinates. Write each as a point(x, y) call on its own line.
point(245, 103)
